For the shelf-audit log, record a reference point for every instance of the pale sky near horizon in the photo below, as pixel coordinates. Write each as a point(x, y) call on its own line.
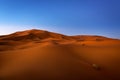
point(71, 17)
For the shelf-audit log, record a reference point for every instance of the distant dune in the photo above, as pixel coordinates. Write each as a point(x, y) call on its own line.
point(43, 55)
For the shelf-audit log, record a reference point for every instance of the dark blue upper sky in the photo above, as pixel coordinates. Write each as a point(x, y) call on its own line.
point(71, 17)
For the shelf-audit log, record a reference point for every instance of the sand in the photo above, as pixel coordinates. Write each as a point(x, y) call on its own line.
point(42, 55)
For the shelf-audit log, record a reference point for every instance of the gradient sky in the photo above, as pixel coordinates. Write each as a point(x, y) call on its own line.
point(71, 17)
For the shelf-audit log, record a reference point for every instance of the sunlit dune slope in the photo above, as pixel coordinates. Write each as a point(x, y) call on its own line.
point(42, 55)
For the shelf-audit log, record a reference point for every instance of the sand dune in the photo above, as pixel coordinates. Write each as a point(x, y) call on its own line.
point(42, 55)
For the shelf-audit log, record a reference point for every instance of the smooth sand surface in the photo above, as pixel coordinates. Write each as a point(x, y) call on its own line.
point(42, 55)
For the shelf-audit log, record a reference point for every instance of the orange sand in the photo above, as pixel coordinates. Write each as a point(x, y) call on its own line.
point(42, 55)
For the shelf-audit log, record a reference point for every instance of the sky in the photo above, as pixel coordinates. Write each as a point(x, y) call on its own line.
point(70, 17)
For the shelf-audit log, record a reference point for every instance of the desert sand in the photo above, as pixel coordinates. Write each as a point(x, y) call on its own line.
point(43, 55)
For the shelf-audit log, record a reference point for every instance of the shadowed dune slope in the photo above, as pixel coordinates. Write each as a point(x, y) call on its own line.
point(42, 55)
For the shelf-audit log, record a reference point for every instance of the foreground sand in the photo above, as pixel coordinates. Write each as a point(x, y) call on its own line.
point(42, 55)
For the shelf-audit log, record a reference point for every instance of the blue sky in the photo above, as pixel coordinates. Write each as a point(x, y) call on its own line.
point(71, 17)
